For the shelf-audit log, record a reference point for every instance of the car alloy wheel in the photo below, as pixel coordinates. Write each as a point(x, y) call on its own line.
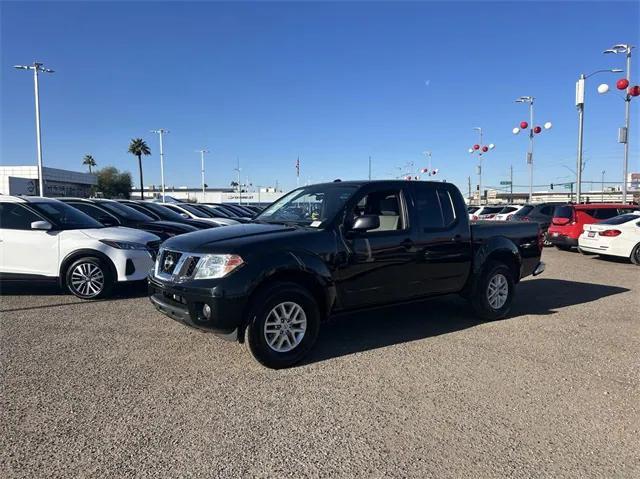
point(87, 280)
point(497, 291)
point(285, 326)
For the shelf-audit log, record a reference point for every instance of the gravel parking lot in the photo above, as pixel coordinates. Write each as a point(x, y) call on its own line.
point(113, 388)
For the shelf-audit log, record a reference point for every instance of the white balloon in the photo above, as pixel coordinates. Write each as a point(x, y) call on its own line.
point(470, 150)
point(492, 146)
point(515, 131)
point(603, 88)
point(547, 125)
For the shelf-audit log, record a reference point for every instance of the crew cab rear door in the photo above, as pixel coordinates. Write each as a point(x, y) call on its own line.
point(443, 239)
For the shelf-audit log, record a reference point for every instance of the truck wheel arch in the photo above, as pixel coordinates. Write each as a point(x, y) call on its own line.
point(322, 293)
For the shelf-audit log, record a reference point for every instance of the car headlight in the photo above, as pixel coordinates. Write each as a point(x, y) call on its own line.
point(124, 244)
point(217, 265)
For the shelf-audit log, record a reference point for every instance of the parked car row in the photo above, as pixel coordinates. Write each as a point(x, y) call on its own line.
point(611, 229)
point(89, 245)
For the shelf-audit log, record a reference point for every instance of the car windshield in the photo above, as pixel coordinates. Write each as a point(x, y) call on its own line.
point(618, 220)
point(310, 205)
point(123, 211)
point(162, 212)
point(64, 216)
point(507, 209)
point(196, 211)
point(563, 212)
point(524, 211)
point(219, 212)
point(472, 209)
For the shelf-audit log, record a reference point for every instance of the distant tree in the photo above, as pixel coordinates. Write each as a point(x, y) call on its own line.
point(113, 183)
point(89, 161)
point(139, 147)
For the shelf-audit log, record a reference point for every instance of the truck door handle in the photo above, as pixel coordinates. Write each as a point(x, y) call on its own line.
point(456, 238)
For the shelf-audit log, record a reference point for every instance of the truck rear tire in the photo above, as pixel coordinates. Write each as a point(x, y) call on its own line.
point(283, 325)
point(493, 293)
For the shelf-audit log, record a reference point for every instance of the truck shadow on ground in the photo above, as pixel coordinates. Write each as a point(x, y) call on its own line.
point(365, 330)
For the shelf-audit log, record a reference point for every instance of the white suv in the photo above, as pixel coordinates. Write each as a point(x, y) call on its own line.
point(43, 238)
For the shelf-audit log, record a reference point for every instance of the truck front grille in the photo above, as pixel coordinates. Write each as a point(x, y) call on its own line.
point(176, 265)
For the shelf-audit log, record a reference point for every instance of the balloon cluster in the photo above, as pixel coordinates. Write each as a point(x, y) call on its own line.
point(536, 129)
point(622, 84)
point(481, 149)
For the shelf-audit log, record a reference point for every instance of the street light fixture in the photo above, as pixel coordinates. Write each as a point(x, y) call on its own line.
point(37, 67)
point(480, 149)
point(580, 88)
point(623, 84)
point(202, 153)
point(533, 130)
point(160, 133)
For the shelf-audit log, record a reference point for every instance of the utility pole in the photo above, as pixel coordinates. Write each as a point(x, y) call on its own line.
point(511, 184)
point(37, 68)
point(160, 133)
point(202, 153)
point(469, 181)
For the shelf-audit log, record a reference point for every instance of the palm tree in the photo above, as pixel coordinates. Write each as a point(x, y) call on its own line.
point(89, 161)
point(139, 147)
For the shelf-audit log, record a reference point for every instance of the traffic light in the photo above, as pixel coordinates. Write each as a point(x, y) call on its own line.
point(551, 186)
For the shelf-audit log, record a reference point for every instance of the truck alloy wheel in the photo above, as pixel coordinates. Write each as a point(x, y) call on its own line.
point(497, 291)
point(285, 326)
point(493, 291)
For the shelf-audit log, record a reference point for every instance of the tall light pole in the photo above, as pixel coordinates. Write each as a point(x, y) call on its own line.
point(580, 86)
point(160, 133)
point(37, 68)
point(532, 130)
point(602, 187)
point(480, 149)
point(202, 153)
point(624, 132)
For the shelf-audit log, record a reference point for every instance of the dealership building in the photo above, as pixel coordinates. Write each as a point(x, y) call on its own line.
point(23, 180)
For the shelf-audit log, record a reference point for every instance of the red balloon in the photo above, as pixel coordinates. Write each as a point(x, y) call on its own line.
point(485, 148)
point(634, 90)
point(537, 129)
point(524, 125)
point(622, 84)
point(476, 147)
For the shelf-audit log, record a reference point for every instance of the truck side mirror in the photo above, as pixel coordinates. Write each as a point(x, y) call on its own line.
point(41, 225)
point(366, 223)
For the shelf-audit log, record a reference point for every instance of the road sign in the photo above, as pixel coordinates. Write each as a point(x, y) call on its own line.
point(568, 186)
point(505, 182)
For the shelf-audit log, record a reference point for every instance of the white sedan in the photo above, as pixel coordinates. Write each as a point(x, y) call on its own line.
point(618, 236)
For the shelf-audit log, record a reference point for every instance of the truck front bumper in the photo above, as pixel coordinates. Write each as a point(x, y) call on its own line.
point(209, 309)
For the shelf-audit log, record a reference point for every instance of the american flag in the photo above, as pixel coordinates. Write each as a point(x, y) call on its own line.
point(298, 167)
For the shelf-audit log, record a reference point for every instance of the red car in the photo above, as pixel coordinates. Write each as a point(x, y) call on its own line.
point(569, 220)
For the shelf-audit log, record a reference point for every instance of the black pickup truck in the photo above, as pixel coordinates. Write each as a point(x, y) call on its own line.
point(336, 247)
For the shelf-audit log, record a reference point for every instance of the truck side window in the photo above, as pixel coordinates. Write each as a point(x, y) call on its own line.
point(386, 205)
point(446, 205)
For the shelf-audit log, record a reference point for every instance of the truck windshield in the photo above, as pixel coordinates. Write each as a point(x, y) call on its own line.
point(311, 205)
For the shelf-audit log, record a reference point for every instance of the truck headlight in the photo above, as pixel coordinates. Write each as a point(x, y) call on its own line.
point(217, 265)
point(124, 244)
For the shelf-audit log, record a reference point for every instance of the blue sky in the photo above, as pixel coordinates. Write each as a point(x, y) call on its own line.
point(330, 82)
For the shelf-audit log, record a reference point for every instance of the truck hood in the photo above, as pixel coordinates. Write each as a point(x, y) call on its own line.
point(120, 233)
point(203, 238)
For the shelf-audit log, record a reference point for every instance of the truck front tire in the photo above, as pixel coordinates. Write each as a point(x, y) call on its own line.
point(283, 325)
point(493, 292)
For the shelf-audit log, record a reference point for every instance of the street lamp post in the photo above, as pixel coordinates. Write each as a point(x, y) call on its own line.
point(37, 68)
point(160, 133)
point(624, 132)
point(202, 153)
point(532, 131)
point(580, 88)
point(480, 149)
